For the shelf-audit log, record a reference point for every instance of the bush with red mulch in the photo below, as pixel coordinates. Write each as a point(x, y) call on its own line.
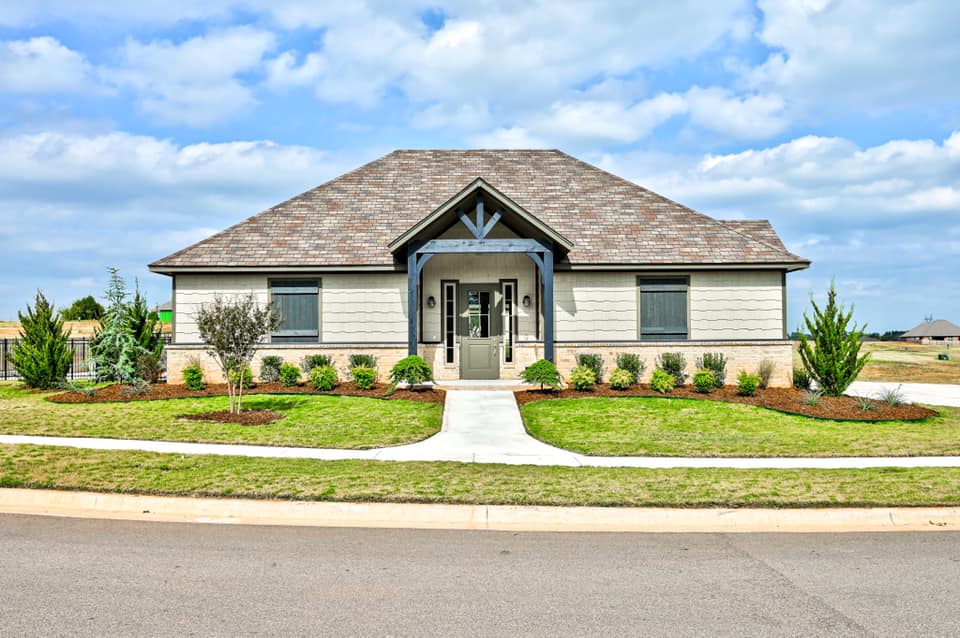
point(791, 400)
point(117, 392)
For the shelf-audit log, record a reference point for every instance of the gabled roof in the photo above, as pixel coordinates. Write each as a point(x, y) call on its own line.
point(353, 219)
point(938, 328)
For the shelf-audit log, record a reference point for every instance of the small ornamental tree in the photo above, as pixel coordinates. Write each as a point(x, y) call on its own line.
point(232, 329)
point(114, 348)
point(832, 359)
point(542, 372)
point(43, 356)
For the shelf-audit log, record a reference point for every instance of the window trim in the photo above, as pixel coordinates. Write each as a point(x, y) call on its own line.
point(513, 319)
point(454, 284)
point(316, 288)
point(679, 283)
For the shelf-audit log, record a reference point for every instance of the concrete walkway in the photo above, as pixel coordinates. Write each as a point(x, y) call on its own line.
point(928, 393)
point(482, 426)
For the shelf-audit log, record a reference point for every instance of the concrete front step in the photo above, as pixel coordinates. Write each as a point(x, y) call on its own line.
point(508, 385)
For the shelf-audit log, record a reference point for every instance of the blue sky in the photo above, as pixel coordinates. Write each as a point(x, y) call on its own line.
point(130, 130)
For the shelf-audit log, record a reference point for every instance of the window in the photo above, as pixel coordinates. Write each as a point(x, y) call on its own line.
point(663, 308)
point(298, 301)
point(478, 314)
point(509, 290)
point(449, 320)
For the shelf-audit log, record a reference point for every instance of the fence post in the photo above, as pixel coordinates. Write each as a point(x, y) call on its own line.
point(4, 353)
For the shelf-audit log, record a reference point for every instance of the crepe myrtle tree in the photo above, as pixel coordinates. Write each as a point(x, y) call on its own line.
point(232, 328)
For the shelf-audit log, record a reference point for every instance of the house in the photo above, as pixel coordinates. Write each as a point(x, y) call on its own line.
point(164, 312)
point(484, 261)
point(939, 331)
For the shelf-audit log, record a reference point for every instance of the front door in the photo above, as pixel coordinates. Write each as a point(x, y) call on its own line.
point(479, 329)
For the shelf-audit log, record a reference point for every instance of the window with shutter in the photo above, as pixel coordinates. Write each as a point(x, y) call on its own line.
point(298, 302)
point(663, 308)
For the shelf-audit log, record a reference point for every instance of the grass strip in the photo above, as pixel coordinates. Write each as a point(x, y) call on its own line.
point(641, 426)
point(469, 483)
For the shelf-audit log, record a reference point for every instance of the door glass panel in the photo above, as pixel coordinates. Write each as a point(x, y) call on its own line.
point(478, 314)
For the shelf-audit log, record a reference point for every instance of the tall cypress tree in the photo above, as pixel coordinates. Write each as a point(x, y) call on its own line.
point(43, 356)
point(832, 360)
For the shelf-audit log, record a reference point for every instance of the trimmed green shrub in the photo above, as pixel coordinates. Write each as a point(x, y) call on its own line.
point(833, 358)
point(43, 355)
point(662, 381)
point(412, 370)
point(542, 372)
point(801, 379)
point(363, 361)
point(631, 363)
point(704, 381)
point(270, 368)
point(621, 379)
point(812, 397)
point(594, 362)
point(234, 376)
point(364, 377)
point(747, 383)
point(324, 377)
point(582, 378)
point(193, 376)
point(716, 363)
point(81, 386)
point(289, 375)
point(311, 361)
point(675, 364)
point(765, 371)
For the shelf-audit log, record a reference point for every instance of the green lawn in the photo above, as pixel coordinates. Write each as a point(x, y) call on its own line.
point(312, 420)
point(638, 426)
point(152, 473)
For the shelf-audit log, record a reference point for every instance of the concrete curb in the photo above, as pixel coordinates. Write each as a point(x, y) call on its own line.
point(471, 517)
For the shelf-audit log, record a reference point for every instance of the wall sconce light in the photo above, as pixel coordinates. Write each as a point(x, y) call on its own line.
point(526, 301)
point(431, 302)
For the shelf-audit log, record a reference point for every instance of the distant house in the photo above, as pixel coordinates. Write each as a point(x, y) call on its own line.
point(939, 331)
point(485, 261)
point(165, 312)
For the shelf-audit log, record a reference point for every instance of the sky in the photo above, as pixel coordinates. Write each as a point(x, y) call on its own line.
point(129, 130)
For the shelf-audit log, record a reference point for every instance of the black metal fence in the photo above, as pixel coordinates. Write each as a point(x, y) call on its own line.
point(80, 369)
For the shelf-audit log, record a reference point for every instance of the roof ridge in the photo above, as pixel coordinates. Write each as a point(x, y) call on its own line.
point(686, 208)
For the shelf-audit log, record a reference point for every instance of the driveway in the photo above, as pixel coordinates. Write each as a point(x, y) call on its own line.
point(928, 393)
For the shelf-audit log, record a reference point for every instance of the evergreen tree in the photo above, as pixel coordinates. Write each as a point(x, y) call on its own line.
point(43, 356)
point(114, 348)
point(832, 360)
point(145, 324)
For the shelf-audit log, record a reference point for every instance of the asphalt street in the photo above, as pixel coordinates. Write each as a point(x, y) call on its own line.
point(79, 577)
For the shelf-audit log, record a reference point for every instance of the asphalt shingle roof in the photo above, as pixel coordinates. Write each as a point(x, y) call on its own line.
point(350, 220)
point(938, 328)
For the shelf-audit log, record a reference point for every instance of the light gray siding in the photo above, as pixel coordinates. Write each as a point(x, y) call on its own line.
point(596, 306)
point(191, 291)
point(364, 308)
point(736, 305)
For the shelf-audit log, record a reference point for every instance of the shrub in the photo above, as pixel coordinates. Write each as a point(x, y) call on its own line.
point(82, 386)
point(582, 378)
point(311, 361)
point(324, 377)
point(833, 358)
point(716, 363)
point(704, 381)
point(765, 371)
point(148, 367)
point(662, 381)
point(674, 364)
point(364, 377)
point(43, 356)
point(363, 361)
point(289, 374)
point(270, 368)
point(812, 397)
point(247, 378)
point(865, 404)
point(893, 396)
point(138, 387)
point(542, 372)
point(631, 363)
point(747, 383)
point(801, 379)
point(621, 379)
point(412, 370)
point(193, 376)
point(594, 362)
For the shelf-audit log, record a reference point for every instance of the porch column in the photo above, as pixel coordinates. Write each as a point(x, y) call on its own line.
point(415, 263)
point(547, 272)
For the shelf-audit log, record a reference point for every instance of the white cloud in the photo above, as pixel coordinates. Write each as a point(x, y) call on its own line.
point(193, 82)
point(41, 65)
point(508, 137)
point(748, 117)
point(283, 72)
point(875, 55)
point(469, 116)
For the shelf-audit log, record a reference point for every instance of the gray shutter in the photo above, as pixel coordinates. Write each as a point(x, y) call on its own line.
point(663, 308)
point(299, 304)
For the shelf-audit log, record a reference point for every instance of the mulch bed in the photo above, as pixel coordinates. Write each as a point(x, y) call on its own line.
point(789, 400)
point(244, 417)
point(117, 392)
